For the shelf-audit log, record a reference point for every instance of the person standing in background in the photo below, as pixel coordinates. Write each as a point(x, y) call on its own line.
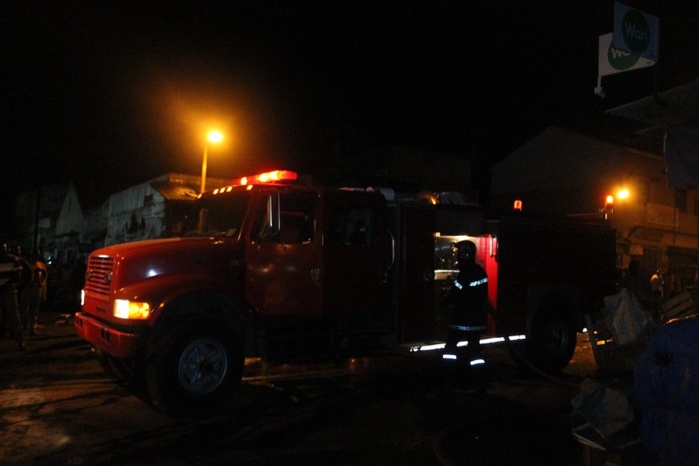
point(35, 293)
point(10, 276)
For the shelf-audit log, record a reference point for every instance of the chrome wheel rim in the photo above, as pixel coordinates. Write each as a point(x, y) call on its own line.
point(203, 366)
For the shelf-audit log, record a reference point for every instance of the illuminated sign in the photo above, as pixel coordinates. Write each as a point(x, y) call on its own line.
point(635, 31)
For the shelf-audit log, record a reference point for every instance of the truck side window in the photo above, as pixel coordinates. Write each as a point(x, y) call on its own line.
point(353, 225)
point(297, 219)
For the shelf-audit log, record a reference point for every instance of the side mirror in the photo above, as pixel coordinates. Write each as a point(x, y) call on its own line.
point(273, 215)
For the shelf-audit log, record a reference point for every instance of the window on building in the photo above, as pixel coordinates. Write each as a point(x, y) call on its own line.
point(643, 192)
point(681, 199)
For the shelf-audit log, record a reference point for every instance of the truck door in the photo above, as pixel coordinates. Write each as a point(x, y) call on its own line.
point(357, 254)
point(284, 260)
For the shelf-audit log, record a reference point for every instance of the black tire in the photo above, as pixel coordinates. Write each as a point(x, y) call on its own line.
point(550, 343)
point(117, 368)
point(196, 367)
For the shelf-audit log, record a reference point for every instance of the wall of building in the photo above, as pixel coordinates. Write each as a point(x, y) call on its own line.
point(567, 173)
point(134, 214)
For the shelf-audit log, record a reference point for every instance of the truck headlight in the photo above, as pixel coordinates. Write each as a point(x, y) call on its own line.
point(136, 310)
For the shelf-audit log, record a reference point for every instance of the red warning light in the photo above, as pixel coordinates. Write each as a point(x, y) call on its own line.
point(267, 177)
point(609, 204)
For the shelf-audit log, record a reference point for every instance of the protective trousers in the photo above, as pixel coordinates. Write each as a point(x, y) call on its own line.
point(466, 363)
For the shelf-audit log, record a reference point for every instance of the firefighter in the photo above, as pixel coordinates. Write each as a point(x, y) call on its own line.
point(467, 300)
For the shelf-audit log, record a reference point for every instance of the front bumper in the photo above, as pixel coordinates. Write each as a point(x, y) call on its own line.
point(116, 343)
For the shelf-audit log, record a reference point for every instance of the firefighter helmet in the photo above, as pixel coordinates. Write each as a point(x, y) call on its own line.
point(466, 250)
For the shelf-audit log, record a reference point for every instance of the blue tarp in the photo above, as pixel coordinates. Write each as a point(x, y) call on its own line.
point(666, 385)
point(682, 156)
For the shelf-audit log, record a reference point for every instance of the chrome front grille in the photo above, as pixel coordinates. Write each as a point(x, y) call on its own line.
point(98, 277)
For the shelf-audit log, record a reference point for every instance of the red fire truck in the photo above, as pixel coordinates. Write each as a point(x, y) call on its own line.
point(270, 268)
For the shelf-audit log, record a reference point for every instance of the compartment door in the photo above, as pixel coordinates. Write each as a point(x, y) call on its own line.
point(416, 294)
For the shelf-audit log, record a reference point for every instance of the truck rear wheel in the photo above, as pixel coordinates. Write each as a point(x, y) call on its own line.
point(550, 344)
point(195, 367)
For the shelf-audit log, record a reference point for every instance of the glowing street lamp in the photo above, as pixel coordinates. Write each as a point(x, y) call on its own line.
point(215, 137)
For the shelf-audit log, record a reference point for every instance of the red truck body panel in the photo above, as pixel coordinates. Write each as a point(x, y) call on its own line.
point(119, 344)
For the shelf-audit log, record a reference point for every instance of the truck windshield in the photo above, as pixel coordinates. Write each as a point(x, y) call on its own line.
point(217, 216)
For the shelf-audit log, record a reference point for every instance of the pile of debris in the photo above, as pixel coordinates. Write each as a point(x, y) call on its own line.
point(642, 383)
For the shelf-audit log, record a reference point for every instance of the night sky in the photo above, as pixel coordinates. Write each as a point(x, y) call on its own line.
point(111, 96)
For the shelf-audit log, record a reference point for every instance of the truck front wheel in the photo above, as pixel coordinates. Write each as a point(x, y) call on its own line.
point(119, 369)
point(195, 367)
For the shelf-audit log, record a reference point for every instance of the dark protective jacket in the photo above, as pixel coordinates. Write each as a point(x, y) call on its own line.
point(10, 273)
point(469, 298)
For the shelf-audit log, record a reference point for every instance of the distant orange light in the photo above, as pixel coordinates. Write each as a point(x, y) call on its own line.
point(518, 205)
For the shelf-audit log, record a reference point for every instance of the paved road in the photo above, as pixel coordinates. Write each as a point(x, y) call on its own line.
point(57, 407)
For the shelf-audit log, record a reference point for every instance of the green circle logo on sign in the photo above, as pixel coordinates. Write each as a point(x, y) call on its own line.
point(636, 31)
point(621, 60)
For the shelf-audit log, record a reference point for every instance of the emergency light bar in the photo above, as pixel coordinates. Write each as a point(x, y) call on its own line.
point(268, 177)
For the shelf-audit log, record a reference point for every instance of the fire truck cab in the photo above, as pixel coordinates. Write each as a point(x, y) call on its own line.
point(290, 272)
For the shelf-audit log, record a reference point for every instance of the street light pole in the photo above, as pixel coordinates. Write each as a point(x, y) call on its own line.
point(203, 169)
point(215, 137)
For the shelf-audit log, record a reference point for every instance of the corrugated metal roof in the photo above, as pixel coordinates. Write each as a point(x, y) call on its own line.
point(175, 191)
point(678, 106)
point(181, 187)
